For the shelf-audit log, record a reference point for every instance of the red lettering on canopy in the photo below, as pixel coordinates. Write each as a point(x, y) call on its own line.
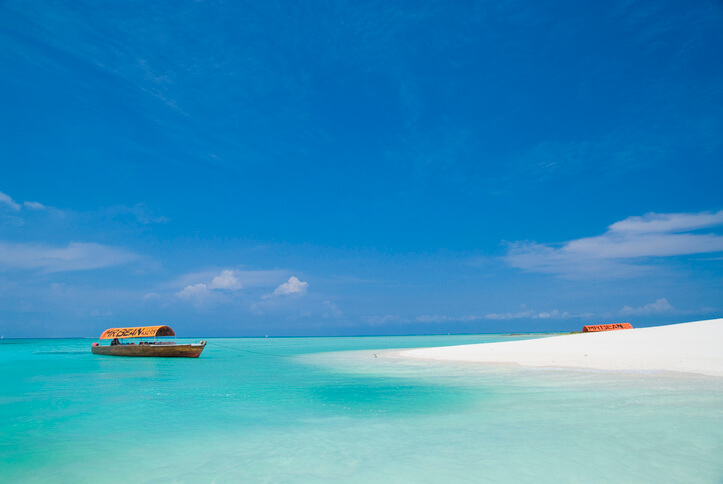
point(606, 327)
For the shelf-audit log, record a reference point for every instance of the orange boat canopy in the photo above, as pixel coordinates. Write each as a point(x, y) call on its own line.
point(142, 331)
point(606, 327)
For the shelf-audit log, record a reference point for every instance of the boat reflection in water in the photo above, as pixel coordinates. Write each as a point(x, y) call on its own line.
point(119, 345)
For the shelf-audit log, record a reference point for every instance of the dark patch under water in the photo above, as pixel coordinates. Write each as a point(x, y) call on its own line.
point(60, 353)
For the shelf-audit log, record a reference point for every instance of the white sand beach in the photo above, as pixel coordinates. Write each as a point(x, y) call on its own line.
point(695, 347)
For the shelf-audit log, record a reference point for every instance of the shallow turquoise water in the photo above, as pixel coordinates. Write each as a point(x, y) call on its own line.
point(327, 410)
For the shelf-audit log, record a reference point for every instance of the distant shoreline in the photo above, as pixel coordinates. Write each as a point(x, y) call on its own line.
point(695, 347)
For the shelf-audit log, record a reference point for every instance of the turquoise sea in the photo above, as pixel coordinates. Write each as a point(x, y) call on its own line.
point(328, 410)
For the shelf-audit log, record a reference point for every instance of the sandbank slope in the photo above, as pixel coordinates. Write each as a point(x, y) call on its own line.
point(695, 347)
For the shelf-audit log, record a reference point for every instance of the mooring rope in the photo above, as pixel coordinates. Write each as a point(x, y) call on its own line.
point(250, 351)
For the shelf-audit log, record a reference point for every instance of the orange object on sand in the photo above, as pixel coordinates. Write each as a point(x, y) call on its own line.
point(606, 327)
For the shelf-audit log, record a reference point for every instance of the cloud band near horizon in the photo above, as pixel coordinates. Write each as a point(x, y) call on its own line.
point(619, 251)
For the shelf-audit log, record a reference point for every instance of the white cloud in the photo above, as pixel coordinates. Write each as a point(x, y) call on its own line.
point(140, 211)
point(76, 256)
point(197, 291)
point(332, 311)
point(518, 315)
point(7, 200)
point(200, 291)
point(530, 314)
point(433, 318)
point(660, 306)
point(34, 205)
point(96, 313)
point(293, 286)
point(226, 280)
point(613, 253)
point(150, 296)
point(389, 318)
point(526, 314)
point(246, 279)
point(668, 222)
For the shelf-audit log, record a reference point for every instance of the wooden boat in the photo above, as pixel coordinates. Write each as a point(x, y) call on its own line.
point(119, 346)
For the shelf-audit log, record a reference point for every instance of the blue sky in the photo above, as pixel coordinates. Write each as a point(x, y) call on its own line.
point(343, 168)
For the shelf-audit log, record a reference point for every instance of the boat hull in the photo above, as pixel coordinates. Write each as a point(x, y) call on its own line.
point(162, 350)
